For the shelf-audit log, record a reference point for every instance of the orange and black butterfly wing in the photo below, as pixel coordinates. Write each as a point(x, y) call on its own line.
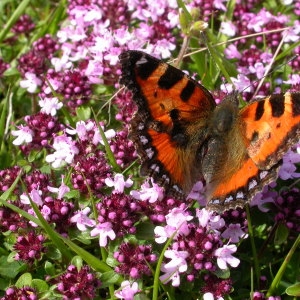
point(272, 127)
point(168, 102)
point(269, 128)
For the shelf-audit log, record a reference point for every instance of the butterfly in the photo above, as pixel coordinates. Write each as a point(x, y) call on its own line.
point(182, 136)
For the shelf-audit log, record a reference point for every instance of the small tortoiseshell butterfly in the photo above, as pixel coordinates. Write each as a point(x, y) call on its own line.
point(182, 136)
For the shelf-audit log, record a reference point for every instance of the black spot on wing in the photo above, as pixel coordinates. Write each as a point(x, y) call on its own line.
point(296, 104)
point(174, 114)
point(259, 110)
point(170, 78)
point(145, 66)
point(277, 105)
point(187, 91)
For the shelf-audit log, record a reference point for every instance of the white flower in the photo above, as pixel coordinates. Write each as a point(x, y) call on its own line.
point(31, 82)
point(24, 135)
point(118, 183)
point(65, 151)
point(50, 105)
point(224, 257)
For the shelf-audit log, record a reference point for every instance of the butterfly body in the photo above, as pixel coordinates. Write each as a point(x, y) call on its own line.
point(182, 136)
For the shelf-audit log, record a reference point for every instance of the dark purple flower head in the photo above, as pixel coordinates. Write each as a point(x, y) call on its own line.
point(217, 287)
point(126, 107)
point(58, 212)
point(24, 293)
point(29, 247)
point(72, 85)
point(10, 220)
point(7, 177)
point(158, 210)
point(37, 60)
point(42, 128)
point(121, 210)
point(90, 169)
point(116, 11)
point(200, 245)
point(295, 63)
point(288, 209)
point(134, 260)
point(123, 149)
point(236, 216)
point(46, 46)
point(38, 181)
point(206, 8)
point(32, 62)
point(77, 284)
point(23, 25)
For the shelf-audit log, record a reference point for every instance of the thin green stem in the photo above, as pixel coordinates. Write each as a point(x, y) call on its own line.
point(254, 251)
point(282, 268)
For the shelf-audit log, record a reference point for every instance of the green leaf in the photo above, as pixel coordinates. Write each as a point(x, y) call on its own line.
point(83, 113)
point(281, 234)
point(40, 285)
point(9, 270)
point(24, 280)
point(13, 19)
point(109, 278)
point(294, 290)
point(93, 261)
point(72, 194)
point(77, 262)
point(145, 231)
point(50, 268)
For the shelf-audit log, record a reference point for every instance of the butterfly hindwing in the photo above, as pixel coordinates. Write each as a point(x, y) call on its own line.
point(269, 128)
point(272, 126)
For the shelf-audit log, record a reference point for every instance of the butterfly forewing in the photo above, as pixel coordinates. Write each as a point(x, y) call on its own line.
point(169, 103)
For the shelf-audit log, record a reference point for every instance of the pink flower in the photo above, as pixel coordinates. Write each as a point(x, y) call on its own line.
point(208, 219)
point(61, 191)
point(228, 28)
point(210, 296)
point(177, 221)
point(242, 83)
point(264, 197)
point(176, 265)
point(224, 257)
point(35, 196)
point(288, 168)
point(147, 192)
point(234, 233)
point(197, 193)
point(294, 79)
point(81, 219)
point(232, 52)
point(118, 183)
point(127, 290)
point(104, 230)
point(258, 69)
